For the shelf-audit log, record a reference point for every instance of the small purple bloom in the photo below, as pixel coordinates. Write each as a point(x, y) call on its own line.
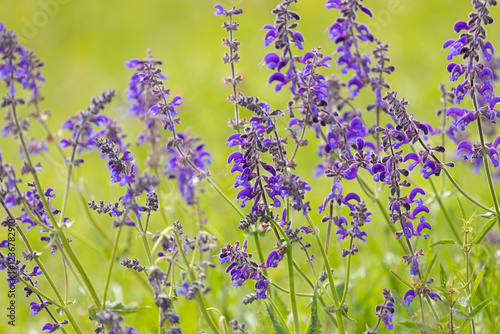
point(409, 296)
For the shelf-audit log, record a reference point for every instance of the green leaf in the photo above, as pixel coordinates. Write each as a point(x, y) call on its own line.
point(462, 211)
point(430, 266)
point(446, 242)
point(278, 327)
point(344, 309)
point(484, 230)
point(116, 307)
point(280, 304)
point(314, 323)
point(442, 276)
point(419, 326)
point(479, 307)
point(460, 314)
point(400, 301)
point(401, 280)
point(478, 280)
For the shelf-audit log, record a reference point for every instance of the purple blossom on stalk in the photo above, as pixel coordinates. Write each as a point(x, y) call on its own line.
point(283, 35)
point(241, 268)
point(384, 312)
point(347, 33)
point(177, 166)
point(82, 124)
point(478, 78)
point(112, 321)
point(411, 294)
point(259, 137)
point(219, 10)
point(51, 328)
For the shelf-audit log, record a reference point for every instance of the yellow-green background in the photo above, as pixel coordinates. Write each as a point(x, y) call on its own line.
point(84, 45)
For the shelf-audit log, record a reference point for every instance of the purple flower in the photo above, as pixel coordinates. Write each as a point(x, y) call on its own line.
point(429, 168)
point(409, 296)
point(455, 46)
point(273, 260)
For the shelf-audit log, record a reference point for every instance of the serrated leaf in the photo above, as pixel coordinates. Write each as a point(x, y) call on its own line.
point(116, 307)
point(419, 326)
point(484, 230)
point(478, 280)
point(401, 280)
point(446, 242)
point(314, 323)
point(407, 308)
point(442, 276)
point(479, 307)
point(430, 266)
point(278, 327)
point(280, 305)
point(460, 314)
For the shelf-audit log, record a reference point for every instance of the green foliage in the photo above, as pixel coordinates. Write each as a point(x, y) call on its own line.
point(314, 322)
point(277, 326)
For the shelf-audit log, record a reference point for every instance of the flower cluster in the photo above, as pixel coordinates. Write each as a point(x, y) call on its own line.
point(347, 33)
point(478, 78)
point(283, 35)
point(384, 312)
point(83, 134)
point(180, 162)
point(242, 268)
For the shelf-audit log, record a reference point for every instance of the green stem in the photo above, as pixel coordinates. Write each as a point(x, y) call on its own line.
point(46, 273)
point(46, 206)
point(486, 164)
point(347, 274)
point(277, 311)
point(434, 312)
point(89, 216)
point(259, 251)
point(38, 292)
point(387, 219)
point(452, 180)
point(467, 273)
point(199, 297)
point(298, 294)
point(340, 320)
point(444, 209)
point(224, 196)
point(111, 263)
point(451, 320)
point(293, 297)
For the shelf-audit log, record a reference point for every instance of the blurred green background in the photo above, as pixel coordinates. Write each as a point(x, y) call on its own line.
point(84, 45)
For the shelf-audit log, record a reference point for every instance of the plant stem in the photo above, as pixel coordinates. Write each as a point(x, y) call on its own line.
point(486, 164)
point(452, 180)
point(340, 320)
point(277, 311)
point(451, 320)
point(444, 210)
point(46, 206)
point(293, 297)
point(199, 297)
point(347, 273)
point(111, 263)
point(46, 273)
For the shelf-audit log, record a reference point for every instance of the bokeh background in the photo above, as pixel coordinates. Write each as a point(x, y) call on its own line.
point(84, 45)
